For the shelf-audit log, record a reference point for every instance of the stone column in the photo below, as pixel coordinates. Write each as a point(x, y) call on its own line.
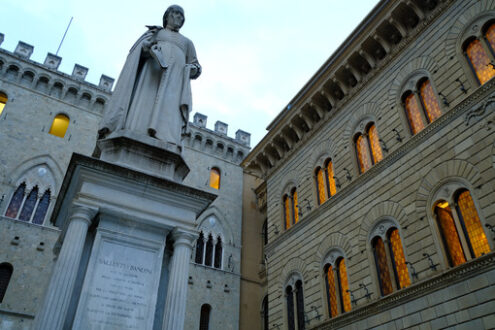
point(58, 295)
point(175, 305)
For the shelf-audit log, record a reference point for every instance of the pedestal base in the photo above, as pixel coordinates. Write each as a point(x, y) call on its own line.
point(144, 154)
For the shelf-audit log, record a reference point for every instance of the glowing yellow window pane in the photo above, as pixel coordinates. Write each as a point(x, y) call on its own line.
point(59, 126)
point(490, 36)
point(330, 179)
point(363, 154)
point(287, 212)
point(430, 101)
point(3, 101)
point(399, 259)
point(449, 233)
point(344, 286)
point(332, 294)
point(480, 61)
point(472, 223)
point(295, 207)
point(376, 149)
point(413, 114)
point(320, 184)
point(215, 178)
point(382, 267)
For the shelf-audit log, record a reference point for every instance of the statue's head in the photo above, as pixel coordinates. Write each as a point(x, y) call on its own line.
point(174, 16)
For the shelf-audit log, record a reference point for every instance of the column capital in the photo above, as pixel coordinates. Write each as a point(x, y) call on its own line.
point(181, 236)
point(82, 212)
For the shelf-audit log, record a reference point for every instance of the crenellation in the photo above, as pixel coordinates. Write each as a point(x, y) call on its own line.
point(243, 137)
point(52, 61)
point(24, 50)
point(200, 119)
point(106, 83)
point(2, 37)
point(79, 72)
point(221, 127)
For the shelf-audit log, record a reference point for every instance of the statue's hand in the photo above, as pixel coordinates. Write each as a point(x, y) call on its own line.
point(148, 43)
point(195, 70)
point(103, 132)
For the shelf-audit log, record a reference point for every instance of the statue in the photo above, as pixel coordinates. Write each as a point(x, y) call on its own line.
point(153, 94)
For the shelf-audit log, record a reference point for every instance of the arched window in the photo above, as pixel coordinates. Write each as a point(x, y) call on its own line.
point(200, 247)
point(6, 271)
point(264, 313)
point(325, 181)
point(421, 108)
point(204, 319)
point(209, 251)
point(368, 149)
point(29, 203)
point(291, 208)
point(300, 305)
point(34, 206)
point(289, 296)
point(16, 201)
point(337, 285)
point(3, 101)
point(59, 125)
point(479, 53)
point(215, 178)
point(389, 255)
point(461, 230)
point(218, 253)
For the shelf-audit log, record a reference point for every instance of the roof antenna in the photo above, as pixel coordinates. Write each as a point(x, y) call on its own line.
point(65, 33)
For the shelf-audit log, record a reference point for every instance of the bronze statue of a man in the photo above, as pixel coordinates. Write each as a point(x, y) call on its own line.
point(153, 94)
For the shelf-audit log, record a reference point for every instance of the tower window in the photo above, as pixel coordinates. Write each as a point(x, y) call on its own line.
point(60, 125)
point(215, 178)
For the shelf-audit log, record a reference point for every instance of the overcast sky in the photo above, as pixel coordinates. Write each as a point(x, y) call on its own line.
point(256, 55)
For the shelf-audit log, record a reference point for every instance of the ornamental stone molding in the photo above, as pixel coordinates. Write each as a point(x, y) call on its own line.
point(294, 268)
point(468, 24)
point(334, 242)
point(290, 179)
point(325, 148)
point(42, 170)
point(369, 112)
point(219, 226)
point(441, 174)
point(385, 211)
point(420, 66)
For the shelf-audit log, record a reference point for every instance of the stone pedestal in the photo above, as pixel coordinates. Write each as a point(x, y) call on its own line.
point(114, 285)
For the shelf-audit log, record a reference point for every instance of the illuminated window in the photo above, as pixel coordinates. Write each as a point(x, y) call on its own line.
point(215, 178)
point(59, 125)
point(368, 149)
point(3, 101)
point(337, 284)
point(291, 208)
point(461, 230)
point(389, 256)
point(204, 320)
point(320, 185)
point(481, 60)
point(325, 182)
point(29, 207)
point(421, 108)
point(6, 271)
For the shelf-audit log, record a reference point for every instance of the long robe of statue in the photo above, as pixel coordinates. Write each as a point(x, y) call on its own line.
point(153, 94)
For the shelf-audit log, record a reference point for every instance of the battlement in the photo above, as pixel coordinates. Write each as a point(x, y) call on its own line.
point(52, 62)
point(221, 129)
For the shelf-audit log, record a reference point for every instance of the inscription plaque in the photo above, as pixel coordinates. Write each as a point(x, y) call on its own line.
point(120, 287)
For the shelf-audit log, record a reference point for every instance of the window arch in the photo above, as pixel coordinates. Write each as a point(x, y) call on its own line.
point(6, 271)
point(29, 207)
point(390, 261)
point(60, 125)
point(460, 227)
point(215, 178)
point(368, 149)
point(479, 54)
point(325, 181)
point(291, 208)
point(204, 319)
point(337, 285)
point(3, 101)
point(209, 252)
point(294, 295)
point(421, 106)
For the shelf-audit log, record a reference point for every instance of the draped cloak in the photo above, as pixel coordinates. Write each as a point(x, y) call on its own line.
point(148, 97)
